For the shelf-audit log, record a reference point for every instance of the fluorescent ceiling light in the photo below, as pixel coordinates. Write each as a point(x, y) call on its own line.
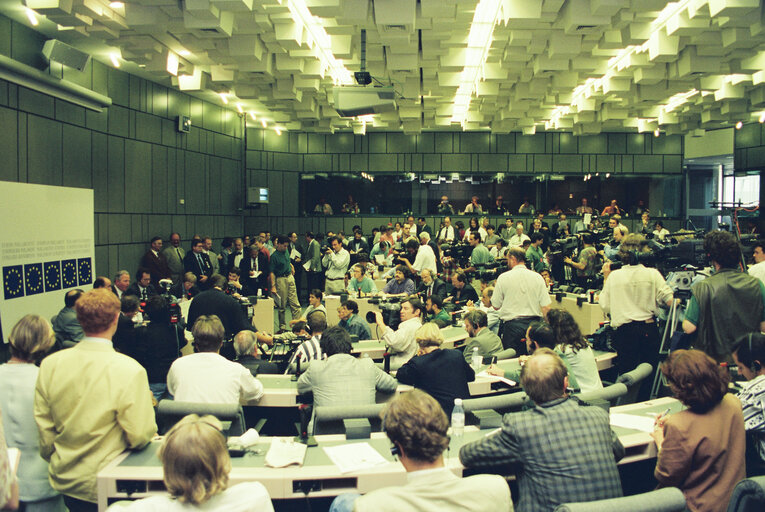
point(115, 58)
point(252, 116)
point(172, 63)
point(116, 5)
point(224, 97)
point(239, 108)
point(32, 17)
point(184, 53)
point(479, 42)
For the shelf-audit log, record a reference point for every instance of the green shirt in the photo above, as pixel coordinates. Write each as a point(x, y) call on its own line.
point(280, 264)
point(535, 257)
point(588, 256)
point(443, 318)
point(480, 255)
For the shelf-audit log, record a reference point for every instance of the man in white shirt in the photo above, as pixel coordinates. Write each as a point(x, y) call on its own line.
point(632, 296)
point(401, 342)
point(425, 259)
point(758, 269)
point(336, 261)
point(519, 237)
point(521, 297)
point(446, 233)
point(208, 377)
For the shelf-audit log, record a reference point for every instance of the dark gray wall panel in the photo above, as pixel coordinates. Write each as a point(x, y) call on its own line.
point(77, 157)
point(194, 180)
point(44, 151)
point(148, 128)
point(137, 176)
point(116, 171)
point(159, 170)
point(9, 143)
point(35, 102)
point(69, 113)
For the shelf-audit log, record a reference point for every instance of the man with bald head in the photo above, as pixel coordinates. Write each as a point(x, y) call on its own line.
point(582, 467)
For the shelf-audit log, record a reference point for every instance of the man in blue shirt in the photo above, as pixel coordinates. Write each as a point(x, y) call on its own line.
point(351, 322)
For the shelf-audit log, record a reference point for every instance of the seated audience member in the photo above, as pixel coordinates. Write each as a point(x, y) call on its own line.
point(124, 340)
point(246, 346)
point(430, 284)
point(158, 344)
point(701, 449)
point(102, 282)
point(208, 377)
point(65, 323)
point(342, 379)
point(235, 287)
point(142, 288)
point(348, 312)
point(311, 350)
point(481, 337)
point(401, 343)
point(434, 307)
point(417, 428)
point(574, 350)
point(400, 284)
point(443, 374)
point(360, 283)
point(187, 289)
point(659, 231)
point(462, 291)
point(30, 339)
point(214, 302)
point(195, 467)
point(91, 404)
point(9, 487)
point(384, 249)
point(574, 470)
point(314, 304)
point(492, 315)
point(121, 283)
point(749, 356)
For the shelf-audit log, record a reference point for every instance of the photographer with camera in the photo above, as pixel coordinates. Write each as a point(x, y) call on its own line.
point(425, 258)
point(586, 262)
point(336, 260)
point(611, 251)
point(632, 295)
point(727, 304)
point(401, 342)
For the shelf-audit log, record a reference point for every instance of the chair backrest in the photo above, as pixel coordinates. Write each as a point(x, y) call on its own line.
point(748, 495)
point(633, 380)
point(504, 403)
point(328, 419)
point(669, 499)
point(610, 393)
point(169, 412)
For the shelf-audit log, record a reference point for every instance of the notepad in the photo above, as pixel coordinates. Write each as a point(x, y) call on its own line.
point(285, 452)
point(354, 457)
point(642, 423)
point(509, 382)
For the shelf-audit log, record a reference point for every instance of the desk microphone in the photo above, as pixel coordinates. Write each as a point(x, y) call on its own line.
point(386, 362)
point(305, 410)
point(297, 369)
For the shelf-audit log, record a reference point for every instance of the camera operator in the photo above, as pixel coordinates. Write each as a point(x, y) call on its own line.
point(462, 292)
point(425, 257)
point(632, 295)
point(727, 304)
point(336, 260)
point(758, 255)
point(586, 262)
point(401, 342)
point(480, 254)
point(521, 297)
point(400, 285)
point(611, 251)
point(534, 254)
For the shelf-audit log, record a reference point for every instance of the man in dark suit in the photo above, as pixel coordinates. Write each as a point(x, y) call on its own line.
point(422, 226)
point(142, 288)
point(215, 302)
point(121, 283)
point(246, 346)
point(154, 261)
point(430, 285)
point(256, 272)
point(197, 262)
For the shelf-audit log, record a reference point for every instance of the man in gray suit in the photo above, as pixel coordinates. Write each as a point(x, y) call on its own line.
point(487, 342)
point(174, 255)
point(341, 379)
point(65, 323)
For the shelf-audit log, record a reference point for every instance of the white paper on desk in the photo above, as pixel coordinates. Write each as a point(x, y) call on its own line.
point(509, 382)
point(380, 259)
point(642, 423)
point(354, 457)
point(285, 452)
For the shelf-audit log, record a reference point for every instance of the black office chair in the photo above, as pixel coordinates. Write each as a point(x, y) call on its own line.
point(748, 495)
point(170, 412)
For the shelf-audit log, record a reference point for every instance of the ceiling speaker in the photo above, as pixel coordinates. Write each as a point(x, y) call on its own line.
point(56, 51)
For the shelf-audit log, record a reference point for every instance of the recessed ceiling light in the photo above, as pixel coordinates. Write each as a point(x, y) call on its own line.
point(762, 117)
point(184, 53)
point(739, 125)
point(172, 63)
point(224, 98)
point(656, 132)
point(115, 58)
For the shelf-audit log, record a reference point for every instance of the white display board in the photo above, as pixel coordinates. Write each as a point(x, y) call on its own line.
point(46, 248)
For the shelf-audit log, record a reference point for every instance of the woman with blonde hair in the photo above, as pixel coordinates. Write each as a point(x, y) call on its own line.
point(196, 466)
point(443, 374)
point(30, 339)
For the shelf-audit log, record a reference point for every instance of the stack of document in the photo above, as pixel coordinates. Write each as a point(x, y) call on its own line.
point(354, 457)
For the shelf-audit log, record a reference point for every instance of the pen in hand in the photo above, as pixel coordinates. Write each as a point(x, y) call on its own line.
point(659, 422)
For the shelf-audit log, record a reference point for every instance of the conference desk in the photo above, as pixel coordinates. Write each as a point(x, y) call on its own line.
point(140, 473)
point(587, 316)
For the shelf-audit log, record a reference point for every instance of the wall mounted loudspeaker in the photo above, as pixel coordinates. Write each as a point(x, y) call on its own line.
point(56, 51)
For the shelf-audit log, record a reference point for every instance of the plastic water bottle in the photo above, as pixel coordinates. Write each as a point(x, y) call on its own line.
point(458, 418)
point(477, 360)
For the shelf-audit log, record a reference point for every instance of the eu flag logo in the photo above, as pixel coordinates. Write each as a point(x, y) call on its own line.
point(13, 282)
point(69, 273)
point(84, 271)
point(33, 278)
point(52, 271)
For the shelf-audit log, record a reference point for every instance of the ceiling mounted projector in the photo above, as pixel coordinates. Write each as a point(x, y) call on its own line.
point(357, 100)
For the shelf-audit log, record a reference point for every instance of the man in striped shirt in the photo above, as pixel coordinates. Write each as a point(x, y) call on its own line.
point(310, 350)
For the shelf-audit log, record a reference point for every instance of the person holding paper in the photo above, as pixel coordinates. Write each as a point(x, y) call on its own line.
point(417, 427)
point(196, 467)
point(701, 449)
